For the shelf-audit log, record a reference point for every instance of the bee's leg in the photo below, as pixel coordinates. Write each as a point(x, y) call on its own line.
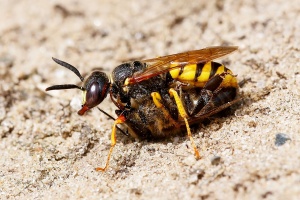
point(183, 114)
point(121, 119)
point(156, 97)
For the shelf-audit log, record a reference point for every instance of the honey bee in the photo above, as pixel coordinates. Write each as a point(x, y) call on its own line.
point(163, 96)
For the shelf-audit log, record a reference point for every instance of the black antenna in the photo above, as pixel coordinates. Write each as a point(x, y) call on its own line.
point(70, 67)
point(63, 87)
point(110, 117)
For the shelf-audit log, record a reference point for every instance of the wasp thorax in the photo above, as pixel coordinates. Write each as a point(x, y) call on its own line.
point(96, 88)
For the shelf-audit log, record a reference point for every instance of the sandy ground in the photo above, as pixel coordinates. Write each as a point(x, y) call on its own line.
point(47, 151)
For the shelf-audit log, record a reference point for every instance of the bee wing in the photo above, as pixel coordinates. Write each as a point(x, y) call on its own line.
point(205, 113)
point(164, 64)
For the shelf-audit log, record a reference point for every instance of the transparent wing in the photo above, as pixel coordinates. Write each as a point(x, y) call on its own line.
point(164, 64)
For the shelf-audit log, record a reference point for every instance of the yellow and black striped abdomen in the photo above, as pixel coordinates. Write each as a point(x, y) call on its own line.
point(199, 74)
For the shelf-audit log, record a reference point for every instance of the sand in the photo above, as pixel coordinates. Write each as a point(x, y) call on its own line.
point(47, 151)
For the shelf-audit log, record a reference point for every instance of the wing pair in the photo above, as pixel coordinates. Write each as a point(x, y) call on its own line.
point(164, 64)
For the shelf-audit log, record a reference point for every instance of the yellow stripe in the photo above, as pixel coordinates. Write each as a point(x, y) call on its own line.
point(204, 76)
point(220, 69)
point(229, 81)
point(174, 73)
point(188, 73)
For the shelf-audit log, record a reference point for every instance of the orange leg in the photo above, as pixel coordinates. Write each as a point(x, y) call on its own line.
point(183, 114)
point(121, 119)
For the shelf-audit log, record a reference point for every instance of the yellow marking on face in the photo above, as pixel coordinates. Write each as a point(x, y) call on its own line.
point(83, 97)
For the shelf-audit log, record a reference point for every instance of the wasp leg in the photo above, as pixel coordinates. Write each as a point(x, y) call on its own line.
point(183, 114)
point(157, 101)
point(121, 119)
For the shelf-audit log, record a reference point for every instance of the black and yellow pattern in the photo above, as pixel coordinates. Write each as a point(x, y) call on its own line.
point(199, 74)
point(162, 96)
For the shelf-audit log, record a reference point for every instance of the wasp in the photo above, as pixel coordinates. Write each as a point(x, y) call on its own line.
point(163, 96)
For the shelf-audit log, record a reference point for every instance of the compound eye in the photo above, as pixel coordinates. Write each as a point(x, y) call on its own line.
point(96, 89)
point(93, 95)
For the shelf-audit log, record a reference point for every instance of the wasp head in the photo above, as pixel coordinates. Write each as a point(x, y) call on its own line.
point(94, 89)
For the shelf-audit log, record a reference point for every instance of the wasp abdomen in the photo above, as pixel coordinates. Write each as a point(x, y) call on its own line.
point(199, 74)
